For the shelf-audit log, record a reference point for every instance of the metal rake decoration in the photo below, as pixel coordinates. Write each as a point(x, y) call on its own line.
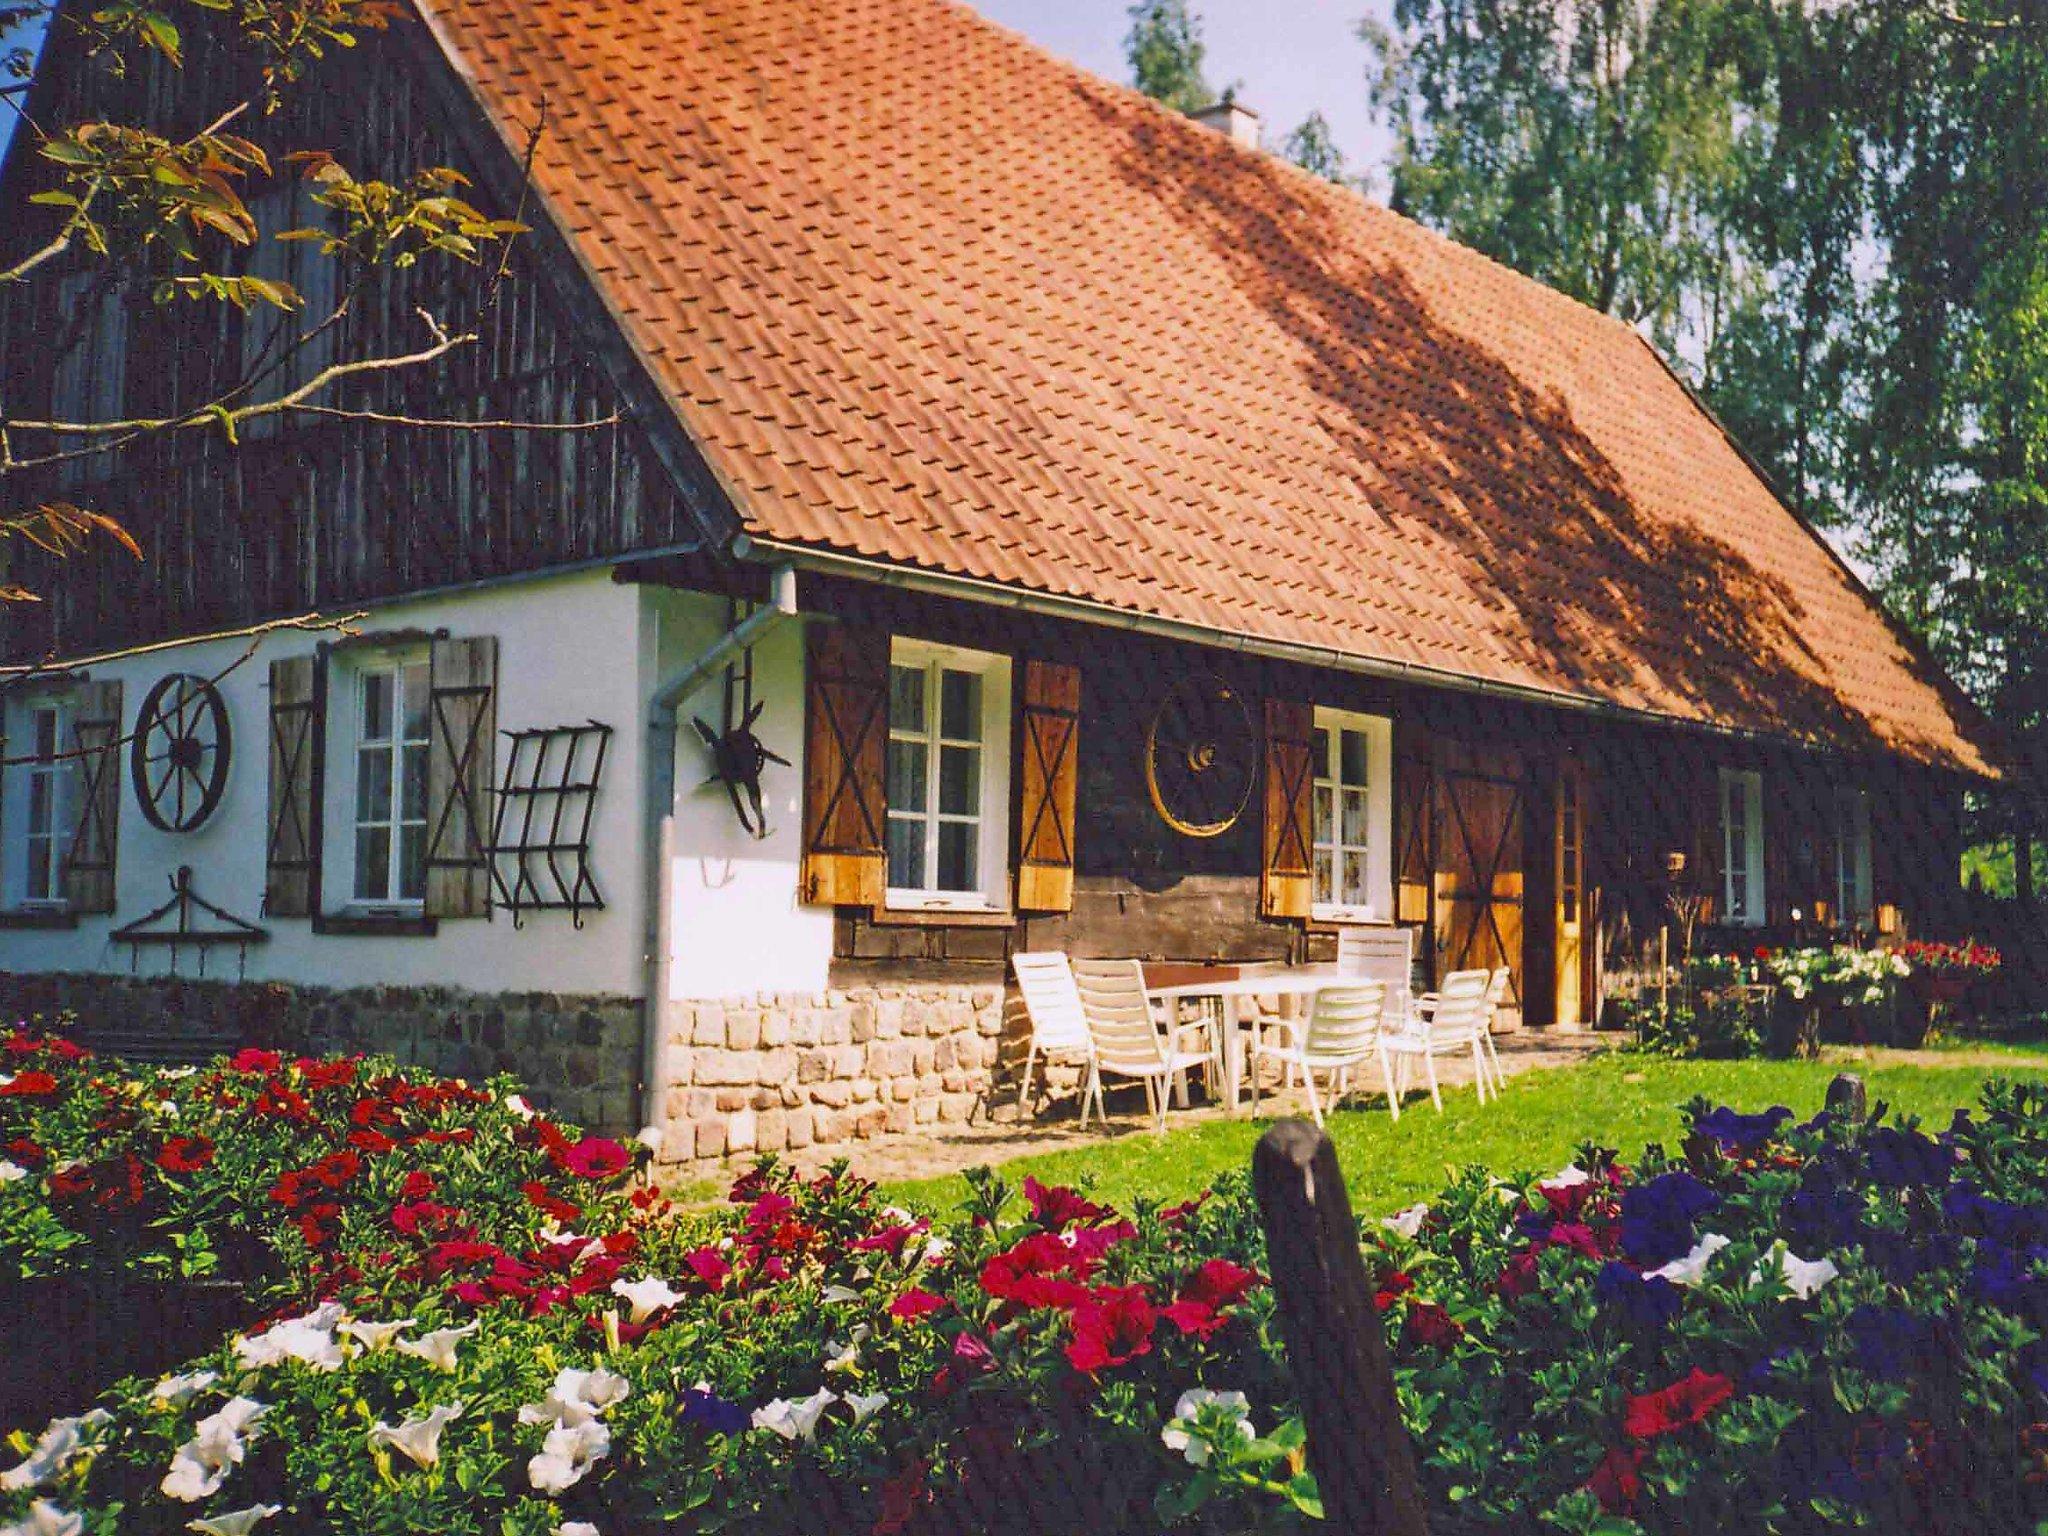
point(738, 757)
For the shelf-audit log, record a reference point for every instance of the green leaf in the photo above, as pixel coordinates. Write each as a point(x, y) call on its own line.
point(1304, 1495)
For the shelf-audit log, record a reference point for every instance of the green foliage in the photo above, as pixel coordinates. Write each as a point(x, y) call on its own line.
point(1312, 147)
point(1164, 49)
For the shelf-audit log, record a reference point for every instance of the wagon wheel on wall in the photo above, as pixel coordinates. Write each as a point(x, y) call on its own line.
point(1201, 757)
point(179, 754)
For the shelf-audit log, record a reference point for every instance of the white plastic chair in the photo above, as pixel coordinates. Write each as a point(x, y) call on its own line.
point(1342, 1032)
point(1384, 955)
point(1126, 1040)
point(1451, 1020)
point(1496, 994)
point(1059, 1027)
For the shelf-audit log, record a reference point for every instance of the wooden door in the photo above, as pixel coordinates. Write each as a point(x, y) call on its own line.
point(1481, 818)
point(1569, 832)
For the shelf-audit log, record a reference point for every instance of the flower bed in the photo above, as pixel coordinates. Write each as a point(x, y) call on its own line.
point(1778, 1327)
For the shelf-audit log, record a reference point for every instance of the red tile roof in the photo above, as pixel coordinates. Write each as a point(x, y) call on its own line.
point(928, 295)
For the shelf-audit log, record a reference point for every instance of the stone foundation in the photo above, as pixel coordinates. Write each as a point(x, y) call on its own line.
point(784, 1073)
point(578, 1056)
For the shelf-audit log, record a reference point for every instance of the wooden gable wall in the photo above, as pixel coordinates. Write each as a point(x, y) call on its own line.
point(308, 512)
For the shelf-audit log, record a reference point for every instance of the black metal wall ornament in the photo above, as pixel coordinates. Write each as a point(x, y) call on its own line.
point(540, 837)
point(1201, 757)
point(183, 923)
point(738, 757)
point(180, 751)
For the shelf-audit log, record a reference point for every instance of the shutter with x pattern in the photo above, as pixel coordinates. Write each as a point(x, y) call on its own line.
point(846, 732)
point(462, 730)
point(1286, 886)
point(96, 739)
point(1051, 719)
point(298, 734)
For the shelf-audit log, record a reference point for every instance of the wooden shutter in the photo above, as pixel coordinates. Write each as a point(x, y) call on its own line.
point(298, 740)
point(1286, 882)
point(96, 739)
point(462, 731)
point(1051, 720)
point(846, 733)
point(1415, 830)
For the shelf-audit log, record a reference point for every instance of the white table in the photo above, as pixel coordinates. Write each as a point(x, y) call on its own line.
point(1295, 981)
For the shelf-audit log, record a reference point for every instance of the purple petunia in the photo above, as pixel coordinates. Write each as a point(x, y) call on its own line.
point(1657, 1218)
point(1638, 1300)
point(1976, 1215)
point(1902, 1159)
point(714, 1412)
point(1742, 1133)
point(1892, 1343)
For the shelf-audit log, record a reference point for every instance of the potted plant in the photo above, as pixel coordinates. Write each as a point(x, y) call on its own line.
point(1944, 975)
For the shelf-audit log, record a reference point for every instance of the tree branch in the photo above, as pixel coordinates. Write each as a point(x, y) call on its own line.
point(453, 425)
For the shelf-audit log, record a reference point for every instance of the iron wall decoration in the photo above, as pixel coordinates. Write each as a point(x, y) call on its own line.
point(1201, 757)
point(180, 751)
point(189, 921)
point(738, 757)
point(540, 837)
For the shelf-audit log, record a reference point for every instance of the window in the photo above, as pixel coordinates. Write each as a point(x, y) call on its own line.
point(1852, 856)
point(391, 782)
point(48, 795)
point(948, 776)
point(1742, 847)
point(1352, 816)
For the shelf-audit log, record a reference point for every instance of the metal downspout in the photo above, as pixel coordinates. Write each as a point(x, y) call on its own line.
point(658, 850)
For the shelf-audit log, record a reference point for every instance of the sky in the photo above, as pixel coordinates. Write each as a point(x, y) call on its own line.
point(1291, 57)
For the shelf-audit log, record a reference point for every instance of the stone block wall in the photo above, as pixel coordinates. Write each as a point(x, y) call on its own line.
point(579, 1056)
point(787, 1072)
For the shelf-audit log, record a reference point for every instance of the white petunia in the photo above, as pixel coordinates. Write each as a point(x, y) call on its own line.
point(1570, 1176)
point(235, 1522)
point(46, 1519)
point(1179, 1435)
point(651, 1137)
point(10, 1171)
point(574, 1528)
point(1407, 1223)
point(373, 1336)
point(202, 1463)
point(569, 1452)
point(866, 1405)
point(177, 1391)
point(936, 1250)
point(645, 1296)
point(60, 1440)
point(519, 1106)
point(1692, 1268)
point(418, 1438)
point(1803, 1277)
point(795, 1419)
point(438, 1348)
point(308, 1339)
point(577, 1397)
point(846, 1356)
point(839, 1293)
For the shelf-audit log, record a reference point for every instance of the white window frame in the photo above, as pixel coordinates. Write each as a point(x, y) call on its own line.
point(1743, 848)
point(1326, 774)
point(62, 776)
point(992, 845)
point(356, 675)
point(1855, 901)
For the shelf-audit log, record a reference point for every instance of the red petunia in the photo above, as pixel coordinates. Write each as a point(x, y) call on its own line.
point(376, 1143)
point(1431, 1327)
point(708, 1265)
point(26, 1152)
point(1177, 1216)
point(1021, 1274)
point(1616, 1481)
point(892, 1240)
point(1196, 1319)
point(1678, 1406)
point(914, 1305)
point(69, 1183)
point(29, 1084)
point(1392, 1288)
point(1112, 1327)
point(185, 1154)
point(418, 1185)
point(1518, 1276)
point(594, 1157)
point(1219, 1283)
point(548, 1203)
point(250, 1059)
point(327, 1074)
point(1056, 1207)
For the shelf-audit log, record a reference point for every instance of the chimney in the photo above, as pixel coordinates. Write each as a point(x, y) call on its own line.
point(1232, 118)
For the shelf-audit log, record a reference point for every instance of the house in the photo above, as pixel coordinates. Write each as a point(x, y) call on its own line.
point(1097, 533)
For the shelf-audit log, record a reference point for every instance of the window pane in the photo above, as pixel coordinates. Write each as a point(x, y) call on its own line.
point(373, 863)
point(1321, 814)
point(960, 781)
point(373, 784)
point(1354, 880)
point(415, 701)
point(46, 734)
point(42, 884)
point(906, 853)
point(40, 819)
point(1324, 891)
point(1356, 817)
point(1320, 746)
point(957, 841)
point(1353, 747)
point(960, 705)
point(906, 699)
point(415, 797)
point(376, 706)
point(906, 775)
point(412, 863)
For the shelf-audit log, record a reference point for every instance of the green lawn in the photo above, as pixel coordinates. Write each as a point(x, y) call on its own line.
point(1619, 1100)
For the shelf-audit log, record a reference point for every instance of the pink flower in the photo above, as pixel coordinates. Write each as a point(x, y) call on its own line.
point(708, 1265)
point(914, 1305)
point(1056, 1208)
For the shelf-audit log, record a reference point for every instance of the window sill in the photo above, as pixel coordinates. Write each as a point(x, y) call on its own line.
point(46, 919)
point(376, 925)
point(940, 916)
point(1347, 917)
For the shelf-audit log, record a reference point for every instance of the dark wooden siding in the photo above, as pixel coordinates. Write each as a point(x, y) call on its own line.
point(309, 512)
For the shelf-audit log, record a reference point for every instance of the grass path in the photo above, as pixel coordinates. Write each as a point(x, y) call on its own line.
point(1618, 1100)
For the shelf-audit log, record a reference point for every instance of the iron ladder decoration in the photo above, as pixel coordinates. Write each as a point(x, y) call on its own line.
point(737, 754)
point(175, 925)
point(543, 821)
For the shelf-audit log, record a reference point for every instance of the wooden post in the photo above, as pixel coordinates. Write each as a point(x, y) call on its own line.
point(1357, 1445)
point(1847, 1099)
